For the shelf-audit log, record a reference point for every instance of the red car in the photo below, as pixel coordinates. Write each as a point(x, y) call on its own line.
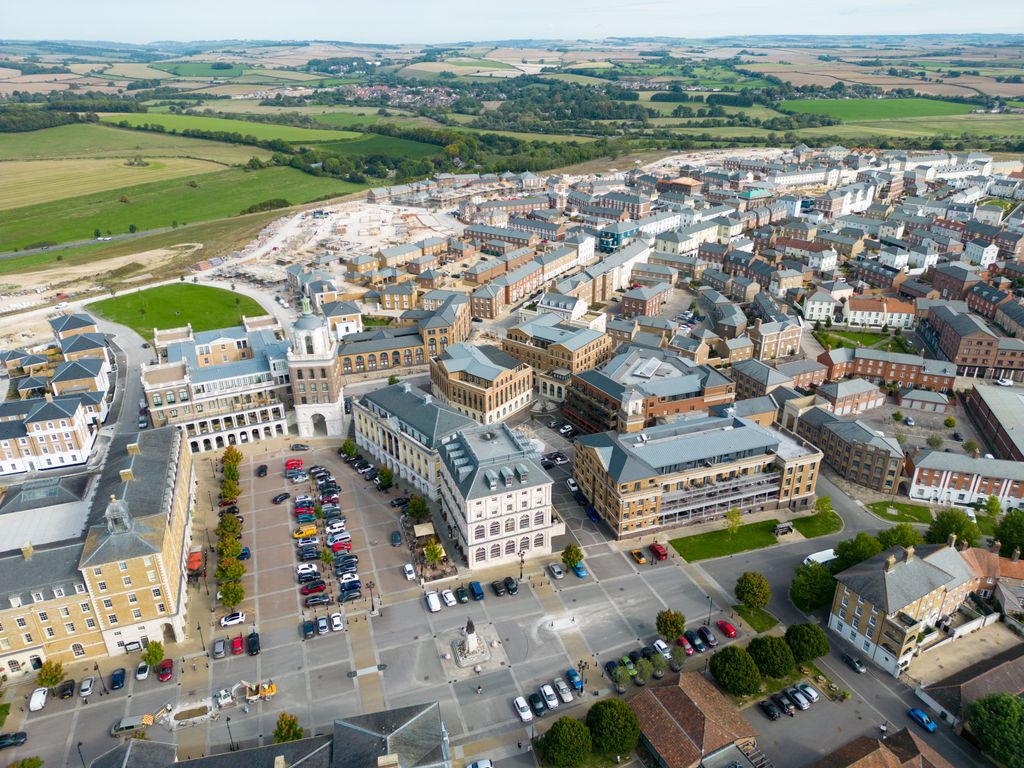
point(726, 628)
point(659, 552)
point(683, 643)
point(237, 646)
point(227, 502)
point(304, 511)
point(165, 671)
point(313, 587)
point(341, 546)
point(293, 464)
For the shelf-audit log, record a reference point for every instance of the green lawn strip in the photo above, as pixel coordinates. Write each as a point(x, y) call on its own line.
point(758, 618)
point(198, 68)
point(818, 524)
point(987, 525)
point(864, 337)
point(160, 203)
point(5, 709)
point(375, 321)
point(808, 672)
point(905, 513)
point(181, 123)
point(703, 546)
point(876, 109)
point(175, 305)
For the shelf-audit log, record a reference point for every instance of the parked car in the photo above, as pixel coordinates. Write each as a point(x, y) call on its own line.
point(401, 501)
point(498, 587)
point(537, 704)
point(920, 717)
point(86, 686)
point(220, 648)
point(547, 464)
point(38, 699)
point(726, 628)
point(347, 595)
point(909, 421)
point(320, 599)
point(322, 625)
point(628, 664)
point(281, 497)
point(165, 671)
point(252, 644)
point(448, 598)
point(337, 622)
point(313, 587)
point(638, 556)
point(308, 629)
point(784, 704)
point(15, 739)
point(571, 484)
point(238, 617)
point(550, 699)
point(142, 671)
point(556, 570)
point(117, 678)
point(809, 692)
point(261, 470)
point(708, 637)
point(662, 647)
point(396, 538)
point(299, 447)
point(461, 594)
point(574, 679)
point(797, 697)
point(854, 663)
point(683, 643)
point(511, 586)
point(522, 709)
point(237, 645)
point(958, 437)
point(771, 711)
point(563, 690)
point(610, 667)
point(580, 570)
point(695, 641)
point(1004, 382)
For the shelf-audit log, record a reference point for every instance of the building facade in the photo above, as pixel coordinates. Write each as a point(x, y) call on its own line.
point(482, 383)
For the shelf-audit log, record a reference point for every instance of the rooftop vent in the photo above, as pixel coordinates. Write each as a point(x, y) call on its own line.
point(488, 436)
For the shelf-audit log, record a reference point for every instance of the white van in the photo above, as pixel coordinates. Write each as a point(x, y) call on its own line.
point(824, 557)
point(126, 726)
point(433, 602)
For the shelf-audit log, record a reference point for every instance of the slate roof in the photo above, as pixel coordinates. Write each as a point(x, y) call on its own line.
point(961, 462)
point(137, 753)
point(1001, 673)
point(313, 752)
point(834, 390)
point(81, 342)
point(760, 372)
point(859, 432)
point(74, 321)
point(930, 567)
point(901, 749)
point(86, 368)
point(486, 362)
point(477, 457)
point(415, 413)
point(340, 308)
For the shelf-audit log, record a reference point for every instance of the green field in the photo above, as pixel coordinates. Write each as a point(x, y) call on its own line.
point(703, 546)
point(197, 69)
point(758, 618)
point(158, 204)
point(852, 110)
point(88, 140)
point(172, 306)
point(374, 144)
point(259, 130)
point(950, 126)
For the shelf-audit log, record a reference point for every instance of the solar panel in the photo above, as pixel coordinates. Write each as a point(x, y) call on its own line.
point(648, 368)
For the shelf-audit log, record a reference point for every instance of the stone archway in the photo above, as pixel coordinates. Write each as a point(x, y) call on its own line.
point(319, 425)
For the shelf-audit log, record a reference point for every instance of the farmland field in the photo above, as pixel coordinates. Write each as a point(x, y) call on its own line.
point(31, 182)
point(95, 140)
point(172, 306)
point(197, 69)
point(150, 206)
point(374, 144)
point(876, 109)
point(259, 130)
point(921, 127)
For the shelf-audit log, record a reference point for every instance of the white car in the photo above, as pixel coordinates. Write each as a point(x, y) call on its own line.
point(565, 429)
point(556, 570)
point(808, 690)
point(563, 690)
point(337, 622)
point(449, 598)
point(302, 500)
point(142, 671)
point(433, 604)
point(38, 700)
point(232, 619)
point(338, 526)
point(571, 484)
point(334, 538)
point(1004, 382)
point(522, 709)
point(296, 479)
point(305, 541)
point(85, 689)
point(662, 647)
point(348, 577)
point(409, 571)
point(302, 568)
point(548, 694)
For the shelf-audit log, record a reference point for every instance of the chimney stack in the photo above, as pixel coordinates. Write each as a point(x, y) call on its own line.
point(996, 546)
point(951, 541)
point(890, 563)
point(1016, 555)
point(27, 550)
point(909, 555)
point(279, 762)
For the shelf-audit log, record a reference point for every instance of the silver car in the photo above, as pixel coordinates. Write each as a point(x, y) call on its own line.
point(556, 570)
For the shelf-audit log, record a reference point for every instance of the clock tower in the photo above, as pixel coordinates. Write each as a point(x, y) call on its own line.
point(315, 373)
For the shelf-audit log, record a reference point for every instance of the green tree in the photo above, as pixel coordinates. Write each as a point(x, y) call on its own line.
point(229, 525)
point(753, 590)
point(733, 521)
point(902, 534)
point(621, 678)
point(132, 228)
point(231, 472)
point(572, 555)
point(678, 654)
point(949, 423)
point(812, 587)
point(433, 552)
point(27, 762)
point(807, 642)
point(50, 674)
point(232, 594)
point(952, 521)
point(934, 442)
point(644, 670)
point(229, 547)
point(154, 653)
point(228, 489)
point(670, 624)
point(566, 745)
point(772, 655)
point(1010, 531)
point(856, 550)
point(231, 455)
point(97, 234)
point(326, 557)
point(287, 728)
point(734, 670)
point(897, 415)
point(971, 448)
point(385, 478)
point(992, 506)
point(349, 448)
point(392, 380)
point(997, 721)
point(229, 569)
point(659, 665)
point(417, 508)
point(614, 727)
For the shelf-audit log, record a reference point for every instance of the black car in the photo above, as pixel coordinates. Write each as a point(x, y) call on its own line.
point(648, 652)
point(695, 641)
point(354, 594)
point(708, 637)
point(309, 554)
point(346, 558)
point(299, 447)
point(66, 689)
point(320, 599)
point(511, 586)
point(232, 510)
point(281, 497)
point(610, 667)
point(308, 629)
point(261, 470)
point(783, 703)
point(537, 704)
point(958, 437)
point(770, 710)
point(400, 501)
point(117, 679)
point(253, 643)
point(305, 578)
point(634, 656)
point(343, 568)
point(15, 739)
point(498, 588)
point(547, 464)
point(373, 474)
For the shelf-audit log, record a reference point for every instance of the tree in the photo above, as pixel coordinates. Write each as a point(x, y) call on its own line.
point(229, 526)
point(50, 674)
point(132, 228)
point(567, 744)
point(232, 594)
point(807, 642)
point(644, 670)
point(1010, 531)
point(772, 655)
point(349, 448)
point(384, 478)
point(287, 728)
point(231, 455)
point(433, 552)
point(621, 678)
point(897, 415)
point(229, 569)
point(953, 521)
point(733, 521)
point(231, 472)
point(678, 657)
point(903, 534)
point(855, 550)
point(753, 590)
point(971, 448)
point(934, 442)
point(949, 423)
point(154, 653)
point(670, 624)
point(659, 665)
point(997, 721)
point(417, 508)
point(572, 555)
point(392, 380)
point(228, 489)
point(614, 727)
point(812, 587)
point(734, 670)
point(992, 506)
point(229, 547)
point(326, 557)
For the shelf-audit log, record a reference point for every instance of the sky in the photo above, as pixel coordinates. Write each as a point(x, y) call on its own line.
point(440, 21)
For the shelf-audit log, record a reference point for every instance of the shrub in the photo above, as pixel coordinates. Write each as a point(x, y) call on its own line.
point(154, 653)
point(567, 744)
point(734, 670)
point(670, 624)
point(287, 728)
point(772, 656)
point(614, 728)
point(807, 642)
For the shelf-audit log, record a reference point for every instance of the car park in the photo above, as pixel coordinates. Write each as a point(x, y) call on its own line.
point(323, 625)
point(117, 678)
point(695, 641)
point(142, 671)
point(252, 644)
point(448, 598)
point(726, 628)
point(708, 637)
point(320, 599)
point(337, 622)
point(238, 617)
point(522, 709)
point(537, 704)
point(220, 648)
point(563, 690)
point(550, 699)
point(638, 556)
point(854, 663)
point(38, 699)
point(86, 686)
point(920, 717)
point(281, 497)
point(165, 671)
point(511, 586)
point(771, 711)
point(15, 739)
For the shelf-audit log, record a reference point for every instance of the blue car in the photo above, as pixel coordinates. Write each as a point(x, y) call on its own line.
point(117, 679)
point(922, 719)
point(245, 554)
point(574, 679)
point(305, 518)
point(580, 570)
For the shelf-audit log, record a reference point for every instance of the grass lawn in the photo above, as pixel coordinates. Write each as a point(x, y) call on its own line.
point(758, 618)
point(818, 524)
point(198, 69)
point(259, 130)
point(876, 109)
point(172, 306)
point(987, 525)
point(158, 204)
point(5, 709)
point(866, 338)
point(375, 321)
point(375, 144)
point(905, 513)
point(703, 546)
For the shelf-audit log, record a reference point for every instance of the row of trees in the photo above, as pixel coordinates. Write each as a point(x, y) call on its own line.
point(230, 569)
point(741, 671)
point(611, 729)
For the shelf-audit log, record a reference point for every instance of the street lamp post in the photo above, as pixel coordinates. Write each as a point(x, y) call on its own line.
point(201, 641)
point(231, 738)
point(96, 668)
point(711, 605)
point(80, 757)
point(370, 585)
point(522, 562)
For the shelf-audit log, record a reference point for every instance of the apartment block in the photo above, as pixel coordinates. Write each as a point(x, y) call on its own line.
point(545, 343)
point(853, 449)
point(884, 367)
point(483, 383)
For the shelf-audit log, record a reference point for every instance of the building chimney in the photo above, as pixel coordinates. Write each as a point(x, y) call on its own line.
point(27, 550)
point(387, 761)
point(1016, 555)
point(279, 762)
point(890, 563)
point(951, 541)
point(909, 554)
point(996, 546)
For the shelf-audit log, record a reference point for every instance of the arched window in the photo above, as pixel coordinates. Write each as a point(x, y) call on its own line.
point(407, 357)
point(383, 359)
point(495, 528)
point(510, 547)
point(524, 544)
point(478, 532)
point(77, 649)
point(309, 343)
point(480, 555)
point(419, 354)
point(371, 362)
point(359, 363)
point(396, 358)
point(510, 526)
point(495, 551)
point(524, 521)
point(538, 540)
point(538, 518)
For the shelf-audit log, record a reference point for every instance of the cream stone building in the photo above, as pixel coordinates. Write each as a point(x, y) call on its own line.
point(483, 383)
